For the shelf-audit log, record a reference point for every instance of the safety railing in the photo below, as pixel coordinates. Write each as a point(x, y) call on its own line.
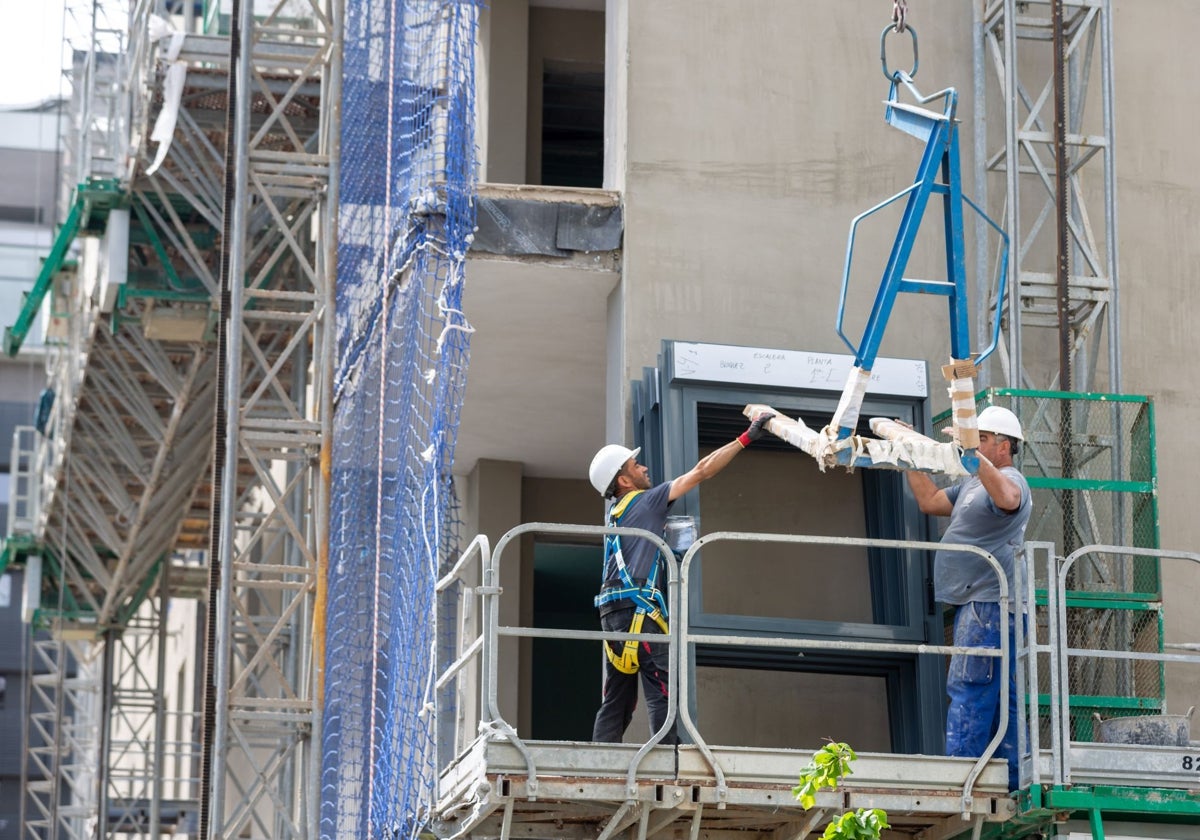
point(457, 593)
point(493, 632)
point(482, 647)
point(1107, 655)
point(682, 635)
point(66, 364)
point(1034, 647)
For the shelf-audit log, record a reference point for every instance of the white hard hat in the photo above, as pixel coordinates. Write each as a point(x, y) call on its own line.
point(607, 463)
point(1000, 421)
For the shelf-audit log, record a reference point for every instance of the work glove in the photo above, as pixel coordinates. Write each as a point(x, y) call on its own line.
point(756, 429)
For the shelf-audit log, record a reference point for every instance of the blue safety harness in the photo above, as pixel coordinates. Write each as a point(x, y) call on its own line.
point(647, 600)
point(646, 597)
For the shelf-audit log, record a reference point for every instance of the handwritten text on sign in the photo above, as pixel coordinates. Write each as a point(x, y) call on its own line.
point(794, 369)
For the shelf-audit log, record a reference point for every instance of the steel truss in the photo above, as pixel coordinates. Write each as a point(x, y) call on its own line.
point(277, 362)
point(1016, 39)
point(62, 739)
point(138, 443)
point(134, 765)
point(1061, 220)
point(126, 449)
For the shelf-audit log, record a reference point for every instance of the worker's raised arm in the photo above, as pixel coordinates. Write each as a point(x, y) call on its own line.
point(718, 459)
point(1005, 492)
point(930, 499)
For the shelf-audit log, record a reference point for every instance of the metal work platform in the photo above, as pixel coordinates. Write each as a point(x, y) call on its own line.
point(494, 783)
point(583, 790)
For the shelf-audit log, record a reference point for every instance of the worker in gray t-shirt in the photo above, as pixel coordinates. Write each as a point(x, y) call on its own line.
point(989, 510)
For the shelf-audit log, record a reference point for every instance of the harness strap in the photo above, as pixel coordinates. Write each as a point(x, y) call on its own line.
point(645, 597)
point(627, 661)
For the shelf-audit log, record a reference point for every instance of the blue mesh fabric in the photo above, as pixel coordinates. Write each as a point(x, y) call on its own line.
point(406, 215)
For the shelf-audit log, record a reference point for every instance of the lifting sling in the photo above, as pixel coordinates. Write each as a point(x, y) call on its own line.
point(938, 181)
point(646, 598)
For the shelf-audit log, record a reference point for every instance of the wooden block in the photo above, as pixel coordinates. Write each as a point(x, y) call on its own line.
point(959, 369)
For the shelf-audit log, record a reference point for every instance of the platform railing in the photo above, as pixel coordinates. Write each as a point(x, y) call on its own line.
point(457, 601)
point(1096, 653)
point(484, 646)
point(685, 637)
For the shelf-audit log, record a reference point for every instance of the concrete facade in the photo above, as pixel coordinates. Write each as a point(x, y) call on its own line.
point(742, 138)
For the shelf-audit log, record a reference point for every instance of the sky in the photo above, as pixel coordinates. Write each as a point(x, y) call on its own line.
point(30, 50)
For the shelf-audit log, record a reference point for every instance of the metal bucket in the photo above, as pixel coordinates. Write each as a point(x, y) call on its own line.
point(1148, 730)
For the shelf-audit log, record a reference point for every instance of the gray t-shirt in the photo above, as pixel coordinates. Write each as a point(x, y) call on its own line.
point(649, 512)
point(959, 576)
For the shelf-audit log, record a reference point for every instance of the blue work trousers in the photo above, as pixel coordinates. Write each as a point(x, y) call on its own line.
point(973, 685)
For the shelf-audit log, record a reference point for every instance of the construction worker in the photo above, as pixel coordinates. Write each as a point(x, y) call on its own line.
point(989, 510)
point(630, 598)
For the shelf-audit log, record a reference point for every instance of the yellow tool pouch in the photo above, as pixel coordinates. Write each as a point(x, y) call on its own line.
point(627, 662)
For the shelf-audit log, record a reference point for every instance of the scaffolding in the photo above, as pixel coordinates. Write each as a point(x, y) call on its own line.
point(169, 242)
point(1044, 56)
point(192, 412)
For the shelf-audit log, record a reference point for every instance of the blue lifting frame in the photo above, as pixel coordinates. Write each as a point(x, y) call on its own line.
point(937, 174)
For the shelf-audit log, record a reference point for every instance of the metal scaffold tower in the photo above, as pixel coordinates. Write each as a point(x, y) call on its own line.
point(1051, 176)
point(1090, 451)
point(274, 338)
point(179, 441)
point(61, 743)
point(1055, 170)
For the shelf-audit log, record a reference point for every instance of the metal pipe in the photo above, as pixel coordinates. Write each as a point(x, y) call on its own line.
point(1059, 734)
point(1110, 193)
point(1012, 173)
point(297, 653)
point(160, 702)
point(241, 40)
point(327, 360)
point(979, 90)
point(105, 721)
point(325, 332)
point(1111, 245)
point(1066, 423)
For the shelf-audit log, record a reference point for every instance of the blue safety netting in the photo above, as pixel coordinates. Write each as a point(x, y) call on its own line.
point(406, 216)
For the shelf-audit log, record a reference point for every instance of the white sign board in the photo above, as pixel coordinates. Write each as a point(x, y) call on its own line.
point(794, 369)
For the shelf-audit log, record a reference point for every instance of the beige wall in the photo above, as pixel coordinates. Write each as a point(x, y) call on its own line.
point(492, 506)
point(1158, 188)
point(755, 135)
point(503, 90)
point(750, 134)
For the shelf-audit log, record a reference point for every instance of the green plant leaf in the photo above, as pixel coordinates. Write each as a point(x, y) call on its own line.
point(828, 766)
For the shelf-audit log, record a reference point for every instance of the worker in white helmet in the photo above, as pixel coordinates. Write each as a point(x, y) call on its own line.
point(989, 510)
point(633, 573)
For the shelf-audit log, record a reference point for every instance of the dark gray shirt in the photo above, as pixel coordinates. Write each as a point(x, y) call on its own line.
point(959, 576)
point(649, 512)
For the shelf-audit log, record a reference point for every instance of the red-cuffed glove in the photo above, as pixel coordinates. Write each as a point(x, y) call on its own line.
point(756, 429)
